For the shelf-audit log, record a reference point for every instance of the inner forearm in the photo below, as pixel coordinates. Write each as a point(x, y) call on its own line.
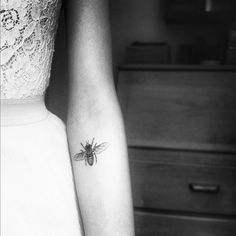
point(102, 183)
point(100, 169)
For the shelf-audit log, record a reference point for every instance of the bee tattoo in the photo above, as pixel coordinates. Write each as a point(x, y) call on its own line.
point(89, 154)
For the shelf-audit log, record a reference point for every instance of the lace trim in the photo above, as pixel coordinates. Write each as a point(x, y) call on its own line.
point(28, 30)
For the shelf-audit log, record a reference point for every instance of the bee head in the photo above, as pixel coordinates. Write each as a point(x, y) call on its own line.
point(87, 145)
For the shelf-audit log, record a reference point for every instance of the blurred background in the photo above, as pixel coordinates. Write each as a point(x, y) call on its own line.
point(174, 65)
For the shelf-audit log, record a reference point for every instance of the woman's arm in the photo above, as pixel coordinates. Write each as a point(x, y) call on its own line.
point(101, 170)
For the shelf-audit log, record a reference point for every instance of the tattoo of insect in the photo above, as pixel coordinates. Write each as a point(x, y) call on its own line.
point(90, 151)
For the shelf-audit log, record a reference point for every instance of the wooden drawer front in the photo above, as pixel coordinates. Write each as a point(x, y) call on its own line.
point(162, 179)
point(179, 109)
point(150, 224)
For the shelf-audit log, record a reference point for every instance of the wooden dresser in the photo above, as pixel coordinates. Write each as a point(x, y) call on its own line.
point(181, 131)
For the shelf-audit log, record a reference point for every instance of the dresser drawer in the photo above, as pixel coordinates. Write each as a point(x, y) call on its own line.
point(179, 109)
point(183, 181)
point(150, 224)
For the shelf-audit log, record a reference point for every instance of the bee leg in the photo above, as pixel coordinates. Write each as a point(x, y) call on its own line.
point(82, 145)
point(85, 161)
point(92, 142)
point(95, 157)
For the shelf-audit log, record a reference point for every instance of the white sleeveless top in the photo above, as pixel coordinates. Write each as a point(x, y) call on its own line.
point(28, 30)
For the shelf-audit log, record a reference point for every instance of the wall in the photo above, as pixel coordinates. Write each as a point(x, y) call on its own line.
point(56, 96)
point(143, 20)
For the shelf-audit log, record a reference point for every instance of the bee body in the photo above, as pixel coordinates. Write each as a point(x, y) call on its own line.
point(89, 154)
point(90, 158)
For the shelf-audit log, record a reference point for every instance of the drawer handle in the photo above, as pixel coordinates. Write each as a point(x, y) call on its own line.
point(204, 188)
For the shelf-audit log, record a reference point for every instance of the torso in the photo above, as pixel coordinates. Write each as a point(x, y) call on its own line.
point(28, 30)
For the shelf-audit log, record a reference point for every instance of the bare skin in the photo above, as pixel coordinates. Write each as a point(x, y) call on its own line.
point(103, 186)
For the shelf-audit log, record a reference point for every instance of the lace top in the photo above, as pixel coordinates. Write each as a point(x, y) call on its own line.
point(28, 30)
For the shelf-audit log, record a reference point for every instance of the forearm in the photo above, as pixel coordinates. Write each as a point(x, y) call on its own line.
point(101, 177)
point(103, 187)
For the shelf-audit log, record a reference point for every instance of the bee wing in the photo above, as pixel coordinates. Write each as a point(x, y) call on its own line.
point(79, 156)
point(101, 147)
